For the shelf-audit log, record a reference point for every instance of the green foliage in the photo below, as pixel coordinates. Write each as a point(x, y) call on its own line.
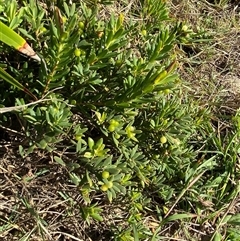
point(116, 118)
point(11, 38)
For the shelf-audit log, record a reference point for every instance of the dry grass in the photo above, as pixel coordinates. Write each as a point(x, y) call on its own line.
point(212, 69)
point(35, 193)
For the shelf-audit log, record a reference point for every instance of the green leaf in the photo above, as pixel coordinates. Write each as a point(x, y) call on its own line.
point(217, 237)
point(120, 187)
point(43, 144)
point(59, 161)
point(110, 196)
point(112, 169)
point(90, 143)
point(118, 33)
point(66, 9)
point(72, 10)
point(11, 38)
point(74, 178)
point(97, 217)
point(24, 32)
point(178, 217)
point(89, 179)
point(234, 220)
point(135, 233)
point(7, 77)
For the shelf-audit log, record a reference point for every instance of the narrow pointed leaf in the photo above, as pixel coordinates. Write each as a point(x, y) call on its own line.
point(4, 75)
point(178, 217)
point(11, 38)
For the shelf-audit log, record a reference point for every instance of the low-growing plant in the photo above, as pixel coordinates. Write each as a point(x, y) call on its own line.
point(115, 120)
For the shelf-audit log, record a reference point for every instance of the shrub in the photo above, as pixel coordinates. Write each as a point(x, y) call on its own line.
point(113, 102)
